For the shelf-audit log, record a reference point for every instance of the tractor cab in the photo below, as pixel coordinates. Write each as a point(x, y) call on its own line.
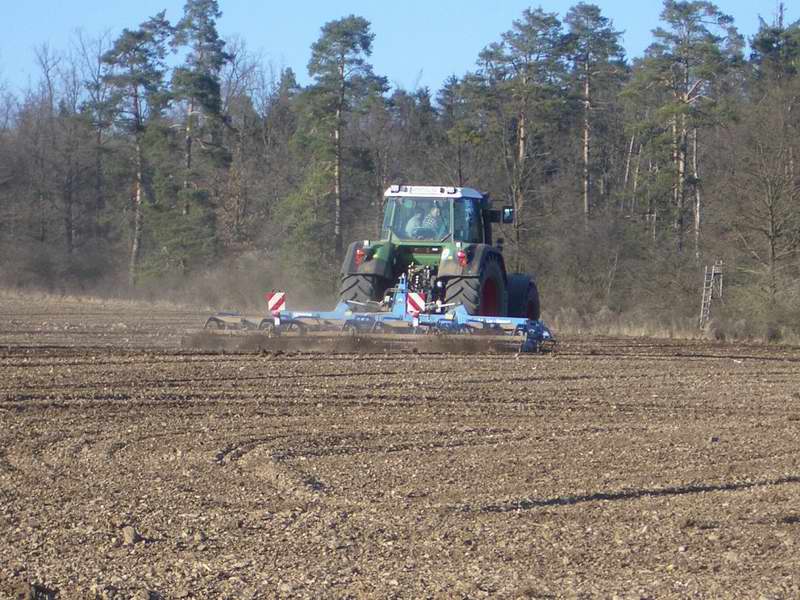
point(435, 214)
point(423, 225)
point(431, 219)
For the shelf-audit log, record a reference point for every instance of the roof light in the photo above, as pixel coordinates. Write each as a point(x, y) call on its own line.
point(451, 190)
point(394, 188)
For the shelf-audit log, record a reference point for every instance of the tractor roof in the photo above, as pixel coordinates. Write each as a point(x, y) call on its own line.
point(432, 191)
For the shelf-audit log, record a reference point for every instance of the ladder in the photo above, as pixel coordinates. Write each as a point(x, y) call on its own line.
point(712, 288)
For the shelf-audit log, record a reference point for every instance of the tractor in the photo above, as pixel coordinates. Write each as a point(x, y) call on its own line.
point(439, 240)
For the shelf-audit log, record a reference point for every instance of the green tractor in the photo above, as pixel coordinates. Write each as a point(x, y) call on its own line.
point(440, 238)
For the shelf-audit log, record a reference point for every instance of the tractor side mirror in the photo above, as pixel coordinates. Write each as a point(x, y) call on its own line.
point(508, 214)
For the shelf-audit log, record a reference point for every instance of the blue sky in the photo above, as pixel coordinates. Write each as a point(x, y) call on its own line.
point(417, 43)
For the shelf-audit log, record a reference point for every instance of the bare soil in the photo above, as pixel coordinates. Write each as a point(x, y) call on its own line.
point(132, 466)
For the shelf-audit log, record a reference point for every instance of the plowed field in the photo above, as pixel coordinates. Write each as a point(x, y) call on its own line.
point(133, 467)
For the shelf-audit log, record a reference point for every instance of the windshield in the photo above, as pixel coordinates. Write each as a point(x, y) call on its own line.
point(417, 218)
point(433, 219)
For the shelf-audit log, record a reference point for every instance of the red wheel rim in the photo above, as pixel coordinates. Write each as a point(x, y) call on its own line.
point(490, 305)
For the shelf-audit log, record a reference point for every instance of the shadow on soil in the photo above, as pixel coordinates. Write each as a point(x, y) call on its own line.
point(530, 503)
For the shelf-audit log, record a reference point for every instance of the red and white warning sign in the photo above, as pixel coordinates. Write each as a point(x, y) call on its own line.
point(415, 303)
point(276, 301)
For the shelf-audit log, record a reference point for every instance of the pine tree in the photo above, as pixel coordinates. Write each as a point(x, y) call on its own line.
point(461, 130)
point(137, 78)
point(688, 56)
point(98, 107)
point(523, 78)
point(776, 49)
point(196, 83)
point(341, 74)
point(597, 55)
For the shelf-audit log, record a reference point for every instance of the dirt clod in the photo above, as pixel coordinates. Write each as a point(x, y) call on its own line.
point(130, 536)
point(28, 591)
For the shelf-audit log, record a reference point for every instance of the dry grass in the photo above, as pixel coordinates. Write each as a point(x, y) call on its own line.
point(567, 321)
point(111, 302)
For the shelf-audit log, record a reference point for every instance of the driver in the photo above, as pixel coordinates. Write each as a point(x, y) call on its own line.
point(431, 224)
point(414, 223)
point(434, 221)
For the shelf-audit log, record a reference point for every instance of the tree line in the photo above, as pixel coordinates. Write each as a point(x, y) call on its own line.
point(168, 154)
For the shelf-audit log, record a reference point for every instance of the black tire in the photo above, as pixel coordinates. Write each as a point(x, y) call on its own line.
point(523, 297)
point(483, 295)
point(361, 288)
point(214, 323)
point(464, 291)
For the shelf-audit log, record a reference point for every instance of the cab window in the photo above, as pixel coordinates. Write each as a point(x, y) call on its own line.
point(416, 218)
point(389, 209)
point(467, 225)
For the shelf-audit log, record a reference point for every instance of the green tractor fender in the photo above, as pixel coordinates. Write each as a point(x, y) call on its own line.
point(477, 255)
point(376, 260)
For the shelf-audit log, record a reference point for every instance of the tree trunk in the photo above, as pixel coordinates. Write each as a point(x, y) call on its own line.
point(654, 219)
point(679, 164)
point(459, 159)
point(586, 145)
point(789, 117)
point(69, 222)
point(674, 152)
point(773, 254)
point(240, 189)
point(636, 170)
point(337, 172)
point(337, 188)
point(188, 157)
point(42, 235)
point(68, 162)
point(99, 200)
point(697, 199)
point(681, 181)
point(518, 176)
point(138, 217)
point(625, 179)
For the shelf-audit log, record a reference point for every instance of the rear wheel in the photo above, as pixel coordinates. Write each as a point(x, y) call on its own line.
point(361, 288)
point(214, 323)
point(483, 295)
point(523, 297)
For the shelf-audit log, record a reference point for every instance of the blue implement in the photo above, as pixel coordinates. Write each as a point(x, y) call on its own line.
point(396, 316)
